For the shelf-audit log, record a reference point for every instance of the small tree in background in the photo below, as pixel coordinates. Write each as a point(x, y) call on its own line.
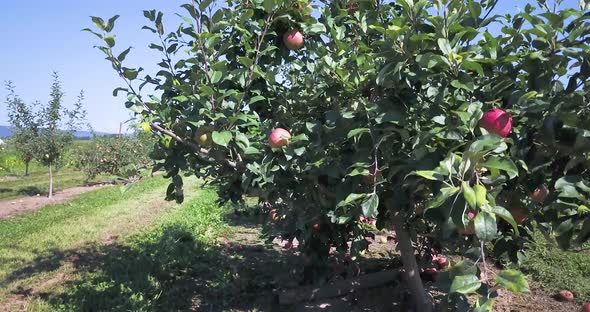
point(53, 141)
point(39, 133)
point(24, 122)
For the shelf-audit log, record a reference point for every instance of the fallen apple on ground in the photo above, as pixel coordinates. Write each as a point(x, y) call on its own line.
point(565, 295)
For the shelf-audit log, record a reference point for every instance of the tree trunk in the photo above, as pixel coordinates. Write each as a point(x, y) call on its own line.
point(50, 182)
point(421, 299)
point(27, 168)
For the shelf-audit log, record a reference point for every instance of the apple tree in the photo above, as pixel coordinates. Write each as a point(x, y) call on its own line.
point(43, 132)
point(457, 127)
point(25, 129)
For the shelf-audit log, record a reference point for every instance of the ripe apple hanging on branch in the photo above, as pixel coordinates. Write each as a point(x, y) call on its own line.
point(497, 121)
point(279, 138)
point(293, 39)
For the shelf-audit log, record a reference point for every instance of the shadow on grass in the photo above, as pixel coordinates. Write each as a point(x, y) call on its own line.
point(166, 271)
point(31, 191)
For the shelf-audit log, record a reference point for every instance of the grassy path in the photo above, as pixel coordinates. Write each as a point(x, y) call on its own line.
point(107, 252)
point(38, 247)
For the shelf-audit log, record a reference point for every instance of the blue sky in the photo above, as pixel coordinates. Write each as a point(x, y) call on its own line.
point(40, 36)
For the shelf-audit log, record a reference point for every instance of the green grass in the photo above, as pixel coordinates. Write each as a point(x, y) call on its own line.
point(38, 183)
point(85, 219)
point(166, 268)
point(556, 269)
point(153, 264)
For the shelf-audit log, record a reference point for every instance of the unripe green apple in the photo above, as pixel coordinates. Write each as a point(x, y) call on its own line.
point(203, 136)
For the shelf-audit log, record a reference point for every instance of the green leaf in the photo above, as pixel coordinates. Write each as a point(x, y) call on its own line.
point(469, 194)
point(430, 175)
point(204, 4)
point(480, 195)
point(216, 76)
point(317, 28)
point(506, 216)
point(130, 74)
point(351, 198)
point(465, 284)
point(221, 138)
point(485, 226)
point(370, 206)
point(251, 151)
point(444, 46)
point(110, 41)
point(512, 280)
point(123, 55)
point(111, 23)
point(246, 61)
point(357, 132)
point(502, 163)
point(268, 5)
point(485, 144)
point(442, 196)
point(256, 99)
point(99, 22)
point(468, 65)
point(463, 267)
point(486, 306)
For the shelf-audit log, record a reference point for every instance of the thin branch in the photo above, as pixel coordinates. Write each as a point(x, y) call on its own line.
point(196, 148)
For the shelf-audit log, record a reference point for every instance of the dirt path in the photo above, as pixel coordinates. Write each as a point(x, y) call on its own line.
point(18, 206)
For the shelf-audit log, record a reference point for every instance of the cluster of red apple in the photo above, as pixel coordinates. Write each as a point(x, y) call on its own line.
point(431, 273)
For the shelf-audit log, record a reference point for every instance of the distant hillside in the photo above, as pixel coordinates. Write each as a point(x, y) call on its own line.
point(6, 131)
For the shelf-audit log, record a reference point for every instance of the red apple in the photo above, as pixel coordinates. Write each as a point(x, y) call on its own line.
point(565, 295)
point(470, 228)
point(316, 226)
point(279, 137)
point(586, 307)
point(519, 214)
point(293, 39)
point(540, 194)
point(352, 6)
point(497, 121)
point(429, 274)
point(471, 214)
point(442, 261)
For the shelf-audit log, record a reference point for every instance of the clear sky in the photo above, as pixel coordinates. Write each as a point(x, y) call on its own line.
point(41, 36)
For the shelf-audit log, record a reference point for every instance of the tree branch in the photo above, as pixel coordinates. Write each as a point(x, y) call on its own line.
point(196, 148)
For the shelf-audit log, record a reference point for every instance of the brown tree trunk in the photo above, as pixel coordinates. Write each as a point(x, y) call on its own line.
point(27, 168)
point(50, 182)
point(421, 299)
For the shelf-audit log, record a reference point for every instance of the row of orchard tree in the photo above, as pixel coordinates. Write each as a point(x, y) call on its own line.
point(443, 120)
point(42, 132)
